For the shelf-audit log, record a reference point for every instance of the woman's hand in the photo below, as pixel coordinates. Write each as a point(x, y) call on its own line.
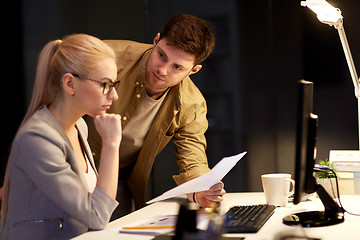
point(109, 128)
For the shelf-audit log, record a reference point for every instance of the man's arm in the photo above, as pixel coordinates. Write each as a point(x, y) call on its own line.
point(191, 145)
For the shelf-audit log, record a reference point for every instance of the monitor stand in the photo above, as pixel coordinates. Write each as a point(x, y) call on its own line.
point(333, 214)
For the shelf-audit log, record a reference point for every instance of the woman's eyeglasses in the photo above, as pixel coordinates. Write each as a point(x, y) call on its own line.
point(107, 86)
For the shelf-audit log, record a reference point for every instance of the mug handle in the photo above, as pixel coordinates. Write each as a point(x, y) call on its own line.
point(292, 186)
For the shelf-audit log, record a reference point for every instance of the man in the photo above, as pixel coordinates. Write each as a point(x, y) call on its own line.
point(159, 102)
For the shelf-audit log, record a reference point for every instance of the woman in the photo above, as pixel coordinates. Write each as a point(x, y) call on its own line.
point(52, 188)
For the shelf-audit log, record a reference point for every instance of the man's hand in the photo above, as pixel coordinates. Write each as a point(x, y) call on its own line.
point(210, 198)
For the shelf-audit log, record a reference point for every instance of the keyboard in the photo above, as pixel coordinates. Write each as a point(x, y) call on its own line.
point(247, 218)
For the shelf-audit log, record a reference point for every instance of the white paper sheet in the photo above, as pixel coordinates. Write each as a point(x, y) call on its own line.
point(161, 224)
point(204, 182)
point(151, 226)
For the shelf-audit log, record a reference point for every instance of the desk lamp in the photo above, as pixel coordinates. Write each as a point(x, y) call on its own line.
point(332, 16)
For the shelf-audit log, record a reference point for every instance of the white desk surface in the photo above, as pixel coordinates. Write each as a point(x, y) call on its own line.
point(273, 228)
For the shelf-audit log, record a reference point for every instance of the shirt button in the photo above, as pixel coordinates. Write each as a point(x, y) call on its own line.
point(124, 118)
point(142, 85)
point(138, 95)
point(137, 83)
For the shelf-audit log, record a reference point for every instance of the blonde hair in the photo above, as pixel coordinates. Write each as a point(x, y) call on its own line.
point(77, 53)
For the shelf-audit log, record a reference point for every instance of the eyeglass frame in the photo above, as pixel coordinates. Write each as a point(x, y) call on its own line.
point(104, 84)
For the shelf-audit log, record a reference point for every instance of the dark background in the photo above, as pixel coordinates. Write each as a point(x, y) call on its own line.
point(250, 81)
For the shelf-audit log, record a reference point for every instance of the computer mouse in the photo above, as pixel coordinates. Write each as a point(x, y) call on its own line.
point(291, 219)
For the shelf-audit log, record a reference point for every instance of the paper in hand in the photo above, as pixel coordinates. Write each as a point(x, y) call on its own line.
point(204, 182)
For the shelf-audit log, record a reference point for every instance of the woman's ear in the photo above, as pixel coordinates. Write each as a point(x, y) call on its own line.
point(67, 82)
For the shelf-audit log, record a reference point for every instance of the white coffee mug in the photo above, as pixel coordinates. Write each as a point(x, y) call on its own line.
point(277, 188)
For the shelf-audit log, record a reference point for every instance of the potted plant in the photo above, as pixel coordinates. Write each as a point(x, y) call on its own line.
point(327, 178)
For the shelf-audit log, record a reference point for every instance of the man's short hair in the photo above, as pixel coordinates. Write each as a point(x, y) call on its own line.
point(190, 34)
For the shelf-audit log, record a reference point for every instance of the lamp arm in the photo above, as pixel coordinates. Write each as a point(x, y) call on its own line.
point(349, 59)
point(350, 62)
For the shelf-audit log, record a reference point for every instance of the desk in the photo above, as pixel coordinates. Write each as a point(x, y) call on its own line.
point(272, 229)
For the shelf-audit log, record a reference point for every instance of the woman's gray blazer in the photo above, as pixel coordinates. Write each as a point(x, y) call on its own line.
point(48, 198)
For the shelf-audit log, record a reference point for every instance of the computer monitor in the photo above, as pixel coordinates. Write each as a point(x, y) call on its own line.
point(305, 154)
point(305, 181)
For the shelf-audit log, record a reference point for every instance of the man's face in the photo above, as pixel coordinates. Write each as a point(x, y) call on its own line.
point(166, 67)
